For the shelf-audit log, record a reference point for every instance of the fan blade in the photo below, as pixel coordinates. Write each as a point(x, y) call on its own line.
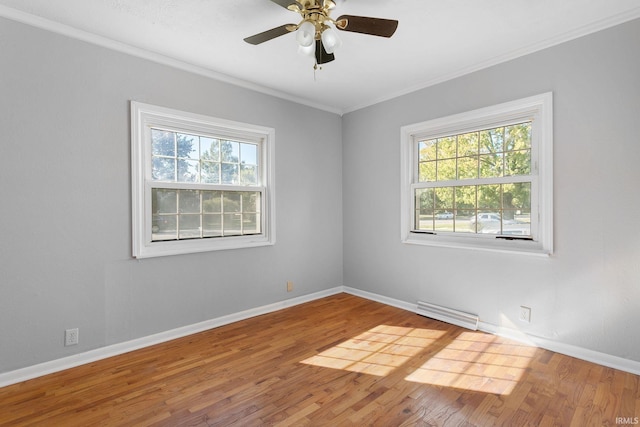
point(322, 57)
point(285, 3)
point(365, 25)
point(269, 34)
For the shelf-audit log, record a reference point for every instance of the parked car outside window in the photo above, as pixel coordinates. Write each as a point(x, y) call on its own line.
point(485, 217)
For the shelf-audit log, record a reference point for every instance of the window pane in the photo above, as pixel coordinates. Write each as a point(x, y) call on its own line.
point(188, 146)
point(248, 174)
point(447, 147)
point(516, 222)
point(188, 170)
point(189, 226)
point(516, 230)
point(232, 225)
point(178, 213)
point(229, 173)
point(211, 201)
point(251, 202)
point(427, 150)
point(463, 222)
point(516, 196)
point(209, 149)
point(518, 137)
point(163, 169)
point(189, 201)
point(232, 201)
point(517, 162)
point(492, 140)
point(425, 199)
point(491, 165)
point(468, 144)
point(471, 208)
point(427, 171)
point(164, 227)
point(210, 173)
point(444, 198)
point(249, 154)
point(424, 221)
point(489, 197)
point(212, 225)
point(489, 223)
point(446, 169)
point(443, 220)
point(522, 216)
point(468, 167)
point(163, 143)
point(424, 209)
point(164, 201)
point(250, 224)
point(466, 197)
point(230, 151)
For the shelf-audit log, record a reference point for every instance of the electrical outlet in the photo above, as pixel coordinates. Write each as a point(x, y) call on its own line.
point(71, 337)
point(289, 286)
point(525, 314)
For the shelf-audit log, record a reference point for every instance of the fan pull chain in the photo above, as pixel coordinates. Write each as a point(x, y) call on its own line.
point(316, 67)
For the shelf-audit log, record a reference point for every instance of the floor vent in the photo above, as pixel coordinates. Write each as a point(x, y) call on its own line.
point(449, 315)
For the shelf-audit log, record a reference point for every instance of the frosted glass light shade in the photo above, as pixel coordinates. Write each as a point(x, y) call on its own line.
point(306, 34)
point(330, 40)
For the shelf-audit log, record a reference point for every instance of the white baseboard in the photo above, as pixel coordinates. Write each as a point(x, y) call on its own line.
point(600, 358)
point(57, 365)
point(45, 368)
point(381, 298)
point(603, 359)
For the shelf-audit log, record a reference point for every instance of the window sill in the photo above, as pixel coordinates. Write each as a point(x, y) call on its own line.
point(181, 247)
point(520, 247)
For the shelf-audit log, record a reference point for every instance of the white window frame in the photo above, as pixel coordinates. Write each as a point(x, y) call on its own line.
point(146, 116)
point(538, 109)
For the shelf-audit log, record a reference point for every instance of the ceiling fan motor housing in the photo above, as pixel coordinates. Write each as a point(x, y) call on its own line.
point(317, 13)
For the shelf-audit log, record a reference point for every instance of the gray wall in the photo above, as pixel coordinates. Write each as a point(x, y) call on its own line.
point(588, 293)
point(65, 239)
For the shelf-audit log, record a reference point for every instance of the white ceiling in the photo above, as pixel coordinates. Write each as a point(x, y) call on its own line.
point(436, 39)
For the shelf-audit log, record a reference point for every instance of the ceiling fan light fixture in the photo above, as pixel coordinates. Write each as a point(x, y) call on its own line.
point(317, 32)
point(306, 34)
point(330, 40)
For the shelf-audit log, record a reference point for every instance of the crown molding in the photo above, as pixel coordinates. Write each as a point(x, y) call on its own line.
point(585, 30)
point(85, 36)
point(55, 27)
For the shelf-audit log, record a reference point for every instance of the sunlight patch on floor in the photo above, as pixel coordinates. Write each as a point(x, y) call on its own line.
point(378, 351)
point(476, 361)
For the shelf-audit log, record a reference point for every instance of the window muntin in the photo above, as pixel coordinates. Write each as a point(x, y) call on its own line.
point(487, 207)
point(488, 153)
point(199, 183)
point(199, 214)
point(180, 157)
point(481, 179)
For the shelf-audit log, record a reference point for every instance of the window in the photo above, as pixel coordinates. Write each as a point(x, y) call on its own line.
point(481, 179)
point(199, 183)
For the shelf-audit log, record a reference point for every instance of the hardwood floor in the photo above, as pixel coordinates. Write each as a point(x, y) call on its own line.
point(338, 361)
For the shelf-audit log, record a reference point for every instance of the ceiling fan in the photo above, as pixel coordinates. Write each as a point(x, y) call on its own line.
point(316, 33)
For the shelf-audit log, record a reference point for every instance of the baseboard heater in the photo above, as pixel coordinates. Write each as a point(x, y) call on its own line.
point(448, 315)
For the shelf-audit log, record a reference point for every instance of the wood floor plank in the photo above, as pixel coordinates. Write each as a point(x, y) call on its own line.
point(338, 361)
